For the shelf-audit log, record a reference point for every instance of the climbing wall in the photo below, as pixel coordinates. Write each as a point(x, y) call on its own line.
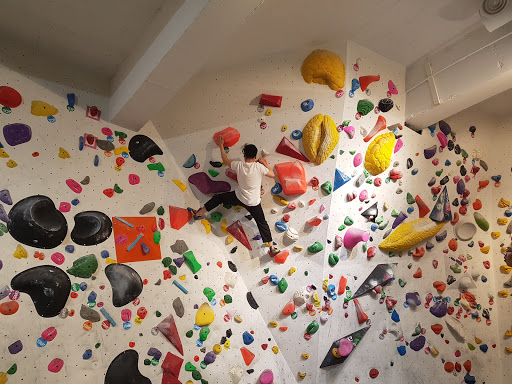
point(75, 341)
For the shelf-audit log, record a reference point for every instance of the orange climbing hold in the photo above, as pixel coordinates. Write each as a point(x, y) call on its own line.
point(437, 328)
point(467, 365)
point(289, 308)
point(282, 256)
point(9, 308)
point(477, 204)
point(237, 231)
point(423, 209)
point(379, 126)
point(292, 177)
point(342, 285)
point(230, 134)
point(365, 81)
point(247, 355)
point(455, 219)
point(418, 274)
point(179, 217)
point(449, 367)
point(452, 244)
point(361, 316)
point(439, 285)
point(482, 184)
point(420, 252)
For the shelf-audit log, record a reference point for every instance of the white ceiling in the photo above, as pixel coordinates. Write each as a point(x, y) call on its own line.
point(93, 37)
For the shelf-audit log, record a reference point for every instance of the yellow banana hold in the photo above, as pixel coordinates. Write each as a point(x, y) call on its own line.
point(180, 185)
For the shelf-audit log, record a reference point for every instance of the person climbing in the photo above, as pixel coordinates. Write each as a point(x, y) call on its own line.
point(508, 255)
point(247, 194)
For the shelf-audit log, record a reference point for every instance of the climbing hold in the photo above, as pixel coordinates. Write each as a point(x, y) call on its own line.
point(191, 161)
point(324, 67)
point(126, 283)
point(307, 105)
point(354, 236)
point(315, 247)
point(481, 221)
point(40, 108)
point(84, 267)
point(207, 185)
point(320, 137)
point(292, 177)
point(204, 315)
point(231, 136)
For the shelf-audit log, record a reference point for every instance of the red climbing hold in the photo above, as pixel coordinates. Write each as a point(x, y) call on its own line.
point(9, 97)
point(271, 100)
point(169, 378)
point(477, 204)
point(449, 367)
point(9, 308)
point(467, 365)
point(423, 209)
point(374, 373)
point(342, 285)
point(439, 285)
point(361, 316)
point(282, 256)
point(172, 364)
point(230, 134)
point(237, 231)
point(168, 328)
point(420, 252)
point(179, 217)
point(247, 355)
point(292, 177)
point(365, 81)
point(418, 274)
point(109, 192)
point(437, 328)
point(286, 147)
point(452, 244)
point(379, 126)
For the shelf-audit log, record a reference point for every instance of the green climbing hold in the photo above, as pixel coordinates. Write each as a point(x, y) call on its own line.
point(316, 247)
point(458, 163)
point(190, 367)
point(216, 216)
point(417, 330)
point(394, 213)
point(228, 299)
point(158, 314)
point(306, 273)
point(166, 261)
point(160, 211)
point(189, 334)
point(410, 199)
point(365, 247)
point(156, 167)
point(154, 361)
point(364, 106)
point(348, 295)
point(342, 152)
point(352, 152)
point(84, 267)
point(388, 180)
point(147, 362)
point(173, 269)
point(402, 283)
point(213, 173)
point(342, 227)
point(203, 381)
point(209, 293)
point(369, 181)
point(120, 134)
point(12, 370)
point(439, 172)
point(464, 154)
point(283, 285)
point(481, 221)
point(345, 123)
point(3, 228)
point(97, 345)
point(327, 187)
point(455, 268)
point(266, 270)
point(469, 257)
point(313, 327)
point(203, 366)
point(383, 226)
point(196, 375)
point(157, 236)
point(332, 157)
point(192, 263)
point(379, 220)
point(203, 333)
point(333, 259)
point(117, 189)
point(294, 315)
point(471, 347)
point(348, 221)
point(456, 303)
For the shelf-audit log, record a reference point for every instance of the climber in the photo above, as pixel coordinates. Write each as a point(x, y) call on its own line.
point(249, 174)
point(508, 255)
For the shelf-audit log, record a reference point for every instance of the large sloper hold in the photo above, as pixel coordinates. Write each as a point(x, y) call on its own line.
point(168, 328)
point(286, 147)
point(342, 348)
point(142, 148)
point(17, 133)
point(381, 275)
point(124, 369)
point(292, 177)
point(208, 186)
point(48, 287)
point(126, 283)
point(35, 221)
point(230, 135)
point(237, 231)
point(91, 228)
point(179, 217)
point(442, 209)
point(410, 233)
point(378, 154)
point(319, 137)
point(324, 67)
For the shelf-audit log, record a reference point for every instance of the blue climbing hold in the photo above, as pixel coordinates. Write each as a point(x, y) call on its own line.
point(71, 99)
point(80, 143)
point(248, 338)
point(125, 155)
point(355, 86)
point(296, 135)
point(432, 129)
point(401, 350)
point(281, 227)
point(96, 160)
point(468, 379)
point(87, 354)
point(496, 178)
point(274, 280)
point(75, 202)
point(447, 163)
point(92, 296)
point(277, 189)
point(83, 286)
point(484, 279)
point(374, 227)
point(70, 248)
point(414, 171)
point(307, 105)
point(41, 342)
point(190, 162)
point(508, 213)
point(484, 348)
point(340, 179)
point(395, 317)
point(471, 243)
point(410, 209)
point(110, 138)
point(104, 254)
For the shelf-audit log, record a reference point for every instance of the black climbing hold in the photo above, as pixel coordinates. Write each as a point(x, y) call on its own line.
point(105, 145)
point(463, 170)
point(444, 127)
point(223, 340)
point(229, 333)
point(444, 180)
point(409, 163)
point(216, 164)
point(142, 148)
point(232, 266)
point(248, 217)
point(457, 149)
point(233, 250)
point(455, 202)
point(472, 129)
point(252, 301)
point(124, 369)
point(126, 283)
point(91, 228)
point(48, 287)
point(386, 105)
point(36, 222)
point(371, 213)
point(451, 145)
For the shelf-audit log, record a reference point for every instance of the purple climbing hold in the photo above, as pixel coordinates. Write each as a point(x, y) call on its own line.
point(464, 202)
point(5, 197)
point(444, 127)
point(418, 343)
point(413, 298)
point(209, 358)
point(15, 347)
point(429, 245)
point(439, 309)
point(399, 219)
point(432, 181)
point(145, 248)
point(430, 152)
point(257, 237)
point(17, 133)
point(207, 185)
point(155, 353)
point(179, 261)
point(441, 236)
point(3, 215)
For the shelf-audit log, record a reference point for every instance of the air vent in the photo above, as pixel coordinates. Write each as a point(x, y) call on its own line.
point(495, 13)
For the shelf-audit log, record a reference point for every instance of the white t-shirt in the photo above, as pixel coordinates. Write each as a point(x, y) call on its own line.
point(249, 177)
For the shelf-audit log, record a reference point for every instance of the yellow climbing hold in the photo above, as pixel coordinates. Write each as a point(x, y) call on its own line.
point(297, 248)
point(182, 277)
point(11, 164)
point(63, 154)
point(503, 203)
point(495, 235)
point(284, 128)
point(275, 349)
point(305, 356)
point(505, 269)
point(292, 271)
point(118, 151)
point(477, 340)
point(324, 67)
point(204, 315)
point(336, 353)
point(302, 375)
point(485, 249)
point(434, 350)
point(40, 108)
point(217, 349)
point(108, 260)
point(273, 324)
point(408, 234)
point(503, 293)
point(508, 333)
point(238, 319)
point(508, 350)
point(268, 112)
point(3, 377)
point(280, 200)
point(3, 154)
point(227, 344)
point(180, 185)
point(319, 138)
point(207, 226)
point(237, 209)
point(502, 221)
point(20, 252)
point(223, 226)
point(378, 154)
point(230, 239)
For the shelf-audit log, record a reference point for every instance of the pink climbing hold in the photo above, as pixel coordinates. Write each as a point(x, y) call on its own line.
point(358, 159)
point(49, 334)
point(350, 130)
point(345, 347)
point(107, 131)
point(133, 179)
point(121, 239)
point(55, 365)
point(363, 195)
point(267, 377)
point(442, 139)
point(74, 186)
point(392, 89)
point(64, 207)
point(398, 145)
point(231, 174)
point(338, 242)
point(354, 236)
point(58, 258)
point(379, 126)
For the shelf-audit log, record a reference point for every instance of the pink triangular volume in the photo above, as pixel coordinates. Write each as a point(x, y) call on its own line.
point(168, 328)
point(286, 147)
point(237, 231)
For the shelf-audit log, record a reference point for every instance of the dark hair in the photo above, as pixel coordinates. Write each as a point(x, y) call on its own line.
point(250, 151)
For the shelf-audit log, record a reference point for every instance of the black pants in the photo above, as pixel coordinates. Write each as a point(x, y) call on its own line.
point(229, 198)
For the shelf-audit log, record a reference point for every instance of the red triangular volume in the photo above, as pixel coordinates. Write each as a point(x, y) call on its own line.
point(286, 147)
point(247, 355)
point(237, 231)
point(169, 378)
point(168, 328)
point(179, 217)
point(172, 364)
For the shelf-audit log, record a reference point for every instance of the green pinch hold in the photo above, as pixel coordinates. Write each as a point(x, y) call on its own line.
point(12, 370)
point(294, 315)
point(266, 270)
point(117, 189)
point(216, 216)
point(203, 333)
point(410, 199)
point(213, 173)
point(157, 236)
point(154, 361)
point(333, 259)
point(402, 283)
point(439, 172)
point(327, 187)
point(228, 299)
point(166, 261)
point(379, 220)
point(348, 221)
point(394, 213)
point(173, 269)
point(196, 375)
point(84, 267)
point(209, 293)
point(348, 296)
point(190, 367)
point(160, 211)
point(481, 221)
point(455, 268)
point(315, 247)
point(283, 285)
point(189, 334)
point(313, 327)
point(352, 152)
point(383, 226)
point(342, 227)
point(156, 167)
point(120, 134)
point(192, 263)
point(345, 123)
